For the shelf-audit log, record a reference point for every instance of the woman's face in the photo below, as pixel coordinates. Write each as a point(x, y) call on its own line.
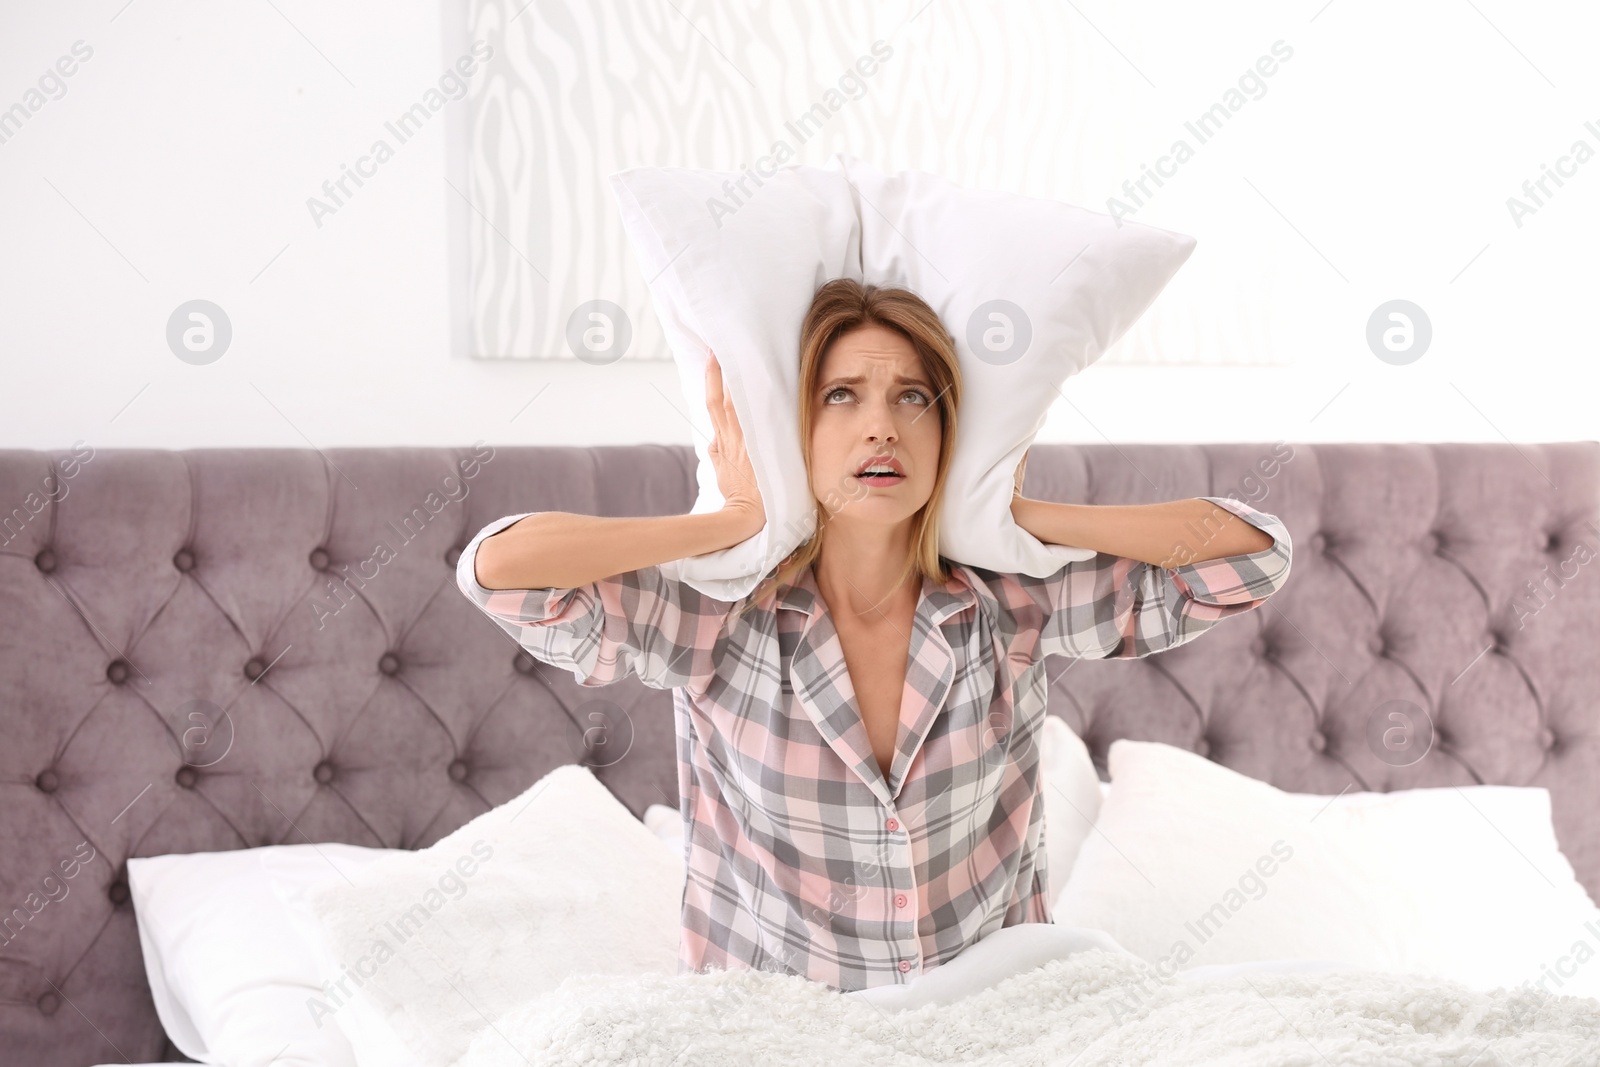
point(874, 404)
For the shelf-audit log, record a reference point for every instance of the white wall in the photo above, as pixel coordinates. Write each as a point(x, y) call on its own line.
point(178, 162)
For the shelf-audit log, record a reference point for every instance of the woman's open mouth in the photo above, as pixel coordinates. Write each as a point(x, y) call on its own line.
point(881, 473)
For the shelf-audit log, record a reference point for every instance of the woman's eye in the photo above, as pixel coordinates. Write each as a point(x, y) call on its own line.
point(831, 393)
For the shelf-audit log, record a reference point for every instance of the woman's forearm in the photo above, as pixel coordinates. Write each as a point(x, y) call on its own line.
point(1166, 535)
point(561, 549)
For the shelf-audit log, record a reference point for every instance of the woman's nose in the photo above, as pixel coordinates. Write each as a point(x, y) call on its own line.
point(880, 424)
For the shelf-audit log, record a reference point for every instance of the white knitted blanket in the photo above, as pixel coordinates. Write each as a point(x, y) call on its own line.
point(1093, 1008)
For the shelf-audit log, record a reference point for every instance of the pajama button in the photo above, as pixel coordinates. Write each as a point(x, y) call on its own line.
point(893, 824)
point(905, 965)
point(899, 900)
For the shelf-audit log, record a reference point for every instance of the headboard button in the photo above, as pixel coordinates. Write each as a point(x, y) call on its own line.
point(1431, 543)
point(1258, 648)
point(254, 667)
point(49, 1003)
point(117, 672)
point(458, 770)
point(1319, 542)
point(320, 560)
point(452, 557)
point(118, 892)
point(183, 560)
point(1547, 739)
point(186, 777)
point(1203, 747)
point(323, 772)
point(1376, 645)
point(47, 782)
point(1319, 741)
point(45, 560)
point(523, 662)
point(389, 663)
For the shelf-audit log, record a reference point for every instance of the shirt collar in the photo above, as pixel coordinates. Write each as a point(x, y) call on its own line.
point(942, 601)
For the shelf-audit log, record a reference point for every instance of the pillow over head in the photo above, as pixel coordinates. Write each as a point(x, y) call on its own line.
point(1031, 290)
point(740, 284)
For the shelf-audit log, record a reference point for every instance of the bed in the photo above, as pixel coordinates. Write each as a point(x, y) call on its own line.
point(143, 588)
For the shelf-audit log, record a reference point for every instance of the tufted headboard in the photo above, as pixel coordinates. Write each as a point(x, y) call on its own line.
point(217, 649)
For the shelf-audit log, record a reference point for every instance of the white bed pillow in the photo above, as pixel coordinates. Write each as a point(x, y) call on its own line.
point(1033, 291)
point(1072, 798)
point(561, 880)
point(667, 824)
point(739, 282)
point(229, 971)
point(1192, 864)
point(338, 1002)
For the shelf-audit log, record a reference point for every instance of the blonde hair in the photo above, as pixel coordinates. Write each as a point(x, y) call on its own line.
point(840, 307)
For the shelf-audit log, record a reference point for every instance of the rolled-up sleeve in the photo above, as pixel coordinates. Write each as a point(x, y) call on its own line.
point(1112, 607)
point(639, 623)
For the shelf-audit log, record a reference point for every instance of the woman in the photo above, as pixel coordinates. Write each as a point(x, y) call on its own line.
point(857, 739)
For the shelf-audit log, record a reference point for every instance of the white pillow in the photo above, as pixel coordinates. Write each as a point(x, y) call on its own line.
point(1493, 798)
point(561, 880)
point(1192, 863)
point(229, 971)
point(1033, 291)
point(1072, 796)
point(739, 282)
point(667, 824)
point(741, 285)
point(339, 1001)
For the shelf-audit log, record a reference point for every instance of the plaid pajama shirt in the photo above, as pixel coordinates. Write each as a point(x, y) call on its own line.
point(802, 857)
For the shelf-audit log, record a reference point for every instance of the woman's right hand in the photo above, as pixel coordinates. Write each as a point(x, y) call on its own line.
point(563, 550)
point(736, 478)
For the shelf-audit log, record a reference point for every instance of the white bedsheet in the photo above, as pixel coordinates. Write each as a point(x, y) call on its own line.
point(1094, 1008)
point(1014, 949)
point(1008, 951)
